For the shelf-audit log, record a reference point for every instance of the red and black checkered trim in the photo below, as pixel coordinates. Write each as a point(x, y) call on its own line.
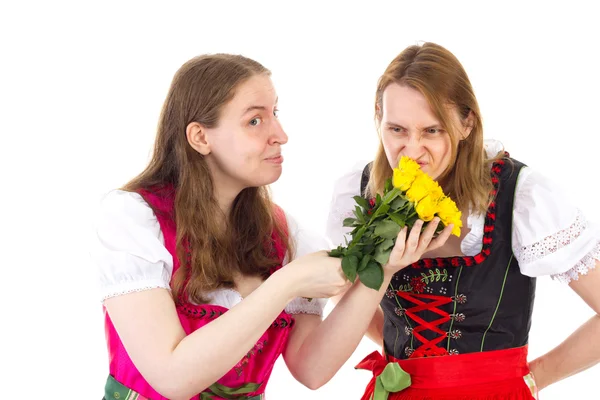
point(488, 230)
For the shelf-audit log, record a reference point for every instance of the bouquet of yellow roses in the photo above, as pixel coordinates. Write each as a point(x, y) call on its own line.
point(409, 195)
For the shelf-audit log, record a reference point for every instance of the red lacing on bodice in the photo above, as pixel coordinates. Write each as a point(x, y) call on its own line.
point(430, 302)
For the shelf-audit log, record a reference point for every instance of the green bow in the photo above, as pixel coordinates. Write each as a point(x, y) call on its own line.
point(393, 379)
point(225, 392)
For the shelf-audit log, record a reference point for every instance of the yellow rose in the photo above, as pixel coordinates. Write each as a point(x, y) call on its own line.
point(449, 214)
point(446, 210)
point(401, 180)
point(456, 227)
point(420, 188)
point(457, 224)
point(409, 166)
point(426, 208)
point(436, 191)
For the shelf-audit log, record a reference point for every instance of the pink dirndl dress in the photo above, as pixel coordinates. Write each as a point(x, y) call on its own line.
point(247, 380)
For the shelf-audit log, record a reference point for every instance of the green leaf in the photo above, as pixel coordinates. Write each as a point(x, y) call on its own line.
point(361, 201)
point(368, 238)
point(381, 210)
point(391, 195)
point(398, 203)
point(353, 252)
point(387, 229)
point(349, 221)
point(438, 275)
point(363, 263)
point(399, 219)
point(372, 275)
point(359, 214)
point(377, 199)
point(349, 266)
point(368, 249)
point(339, 252)
point(387, 244)
point(410, 221)
point(388, 185)
point(439, 229)
point(425, 278)
point(359, 234)
point(382, 255)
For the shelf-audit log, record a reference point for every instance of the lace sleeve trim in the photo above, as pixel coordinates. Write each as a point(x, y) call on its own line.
point(303, 306)
point(133, 290)
point(553, 243)
point(585, 265)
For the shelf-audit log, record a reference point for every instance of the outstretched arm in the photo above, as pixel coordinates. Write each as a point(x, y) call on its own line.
point(317, 350)
point(581, 350)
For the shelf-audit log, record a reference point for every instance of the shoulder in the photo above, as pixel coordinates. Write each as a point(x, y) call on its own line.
point(550, 234)
point(127, 246)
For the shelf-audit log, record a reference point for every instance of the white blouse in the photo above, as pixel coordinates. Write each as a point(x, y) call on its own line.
point(128, 250)
point(549, 235)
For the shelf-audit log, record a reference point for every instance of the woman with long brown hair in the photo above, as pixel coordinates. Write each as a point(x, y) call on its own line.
point(455, 323)
point(201, 288)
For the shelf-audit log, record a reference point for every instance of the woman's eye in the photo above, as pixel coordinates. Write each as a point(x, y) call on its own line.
point(276, 113)
point(255, 121)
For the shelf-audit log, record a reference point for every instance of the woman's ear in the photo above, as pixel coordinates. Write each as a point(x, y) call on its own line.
point(197, 138)
point(468, 125)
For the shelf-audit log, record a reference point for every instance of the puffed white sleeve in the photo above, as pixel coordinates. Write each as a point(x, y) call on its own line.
point(127, 246)
point(305, 241)
point(550, 235)
point(342, 205)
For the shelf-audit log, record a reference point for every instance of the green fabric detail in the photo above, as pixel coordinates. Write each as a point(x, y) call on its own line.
point(453, 311)
point(216, 389)
point(393, 379)
point(498, 304)
point(114, 390)
point(530, 381)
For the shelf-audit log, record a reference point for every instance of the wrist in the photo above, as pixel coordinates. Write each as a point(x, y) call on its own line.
point(390, 270)
point(387, 278)
point(285, 284)
point(536, 370)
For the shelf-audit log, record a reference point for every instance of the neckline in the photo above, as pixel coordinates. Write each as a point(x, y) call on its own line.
point(488, 230)
point(212, 310)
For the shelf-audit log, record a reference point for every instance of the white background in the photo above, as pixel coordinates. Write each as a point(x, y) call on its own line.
point(82, 83)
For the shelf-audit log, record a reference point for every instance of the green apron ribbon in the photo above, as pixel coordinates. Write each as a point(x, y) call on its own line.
point(389, 376)
point(115, 390)
point(239, 393)
point(393, 379)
